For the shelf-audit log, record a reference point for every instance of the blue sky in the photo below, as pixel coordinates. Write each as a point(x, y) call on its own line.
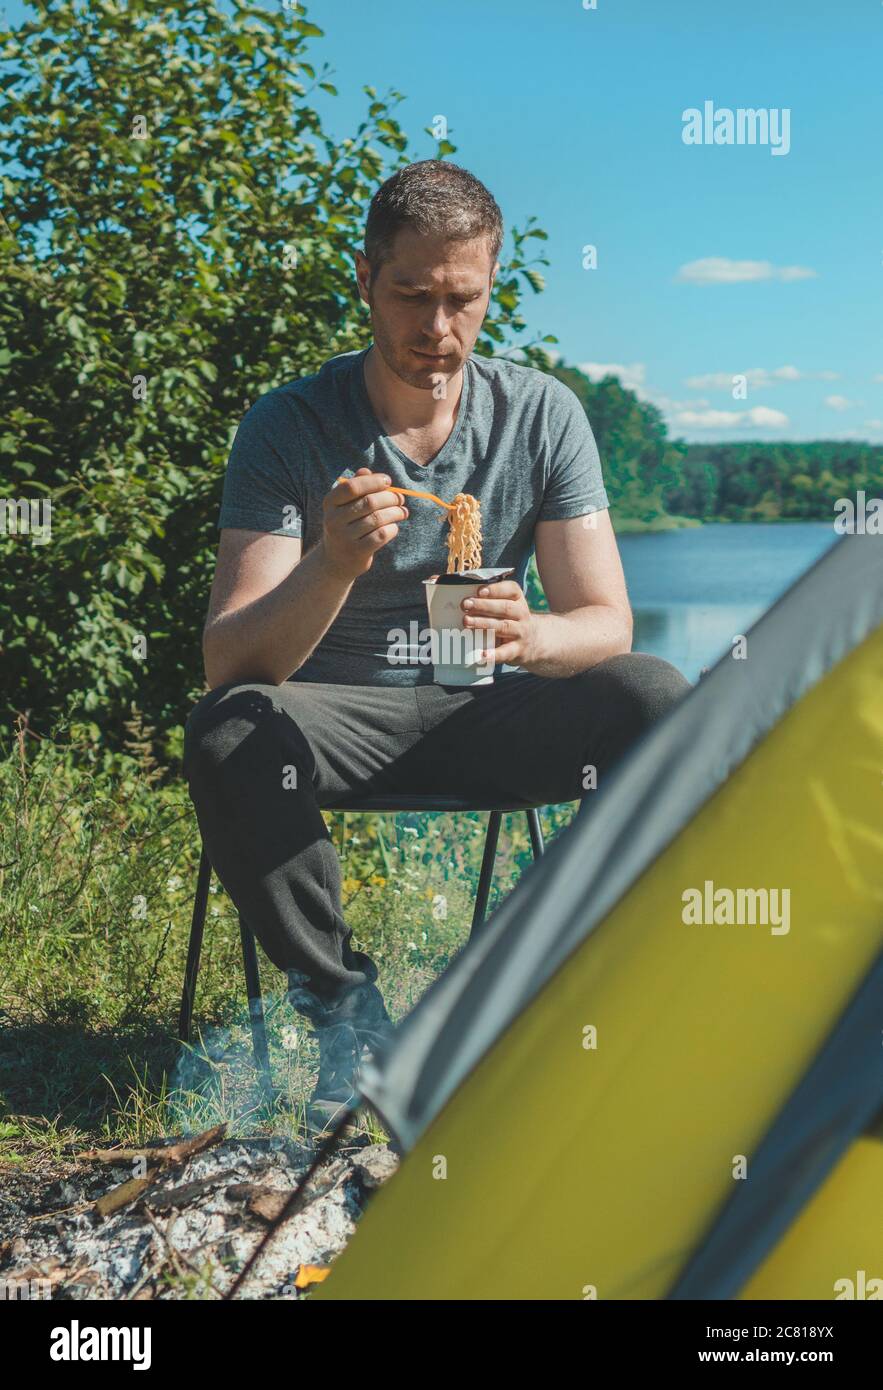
point(713, 259)
point(576, 116)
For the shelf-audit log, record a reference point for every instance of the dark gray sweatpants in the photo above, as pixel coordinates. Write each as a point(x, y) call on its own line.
point(262, 760)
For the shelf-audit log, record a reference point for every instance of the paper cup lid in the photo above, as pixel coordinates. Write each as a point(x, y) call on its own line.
point(472, 576)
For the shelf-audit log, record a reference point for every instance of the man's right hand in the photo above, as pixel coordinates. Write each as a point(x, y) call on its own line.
point(360, 516)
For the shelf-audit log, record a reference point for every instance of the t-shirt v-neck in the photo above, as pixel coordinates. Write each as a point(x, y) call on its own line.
point(446, 451)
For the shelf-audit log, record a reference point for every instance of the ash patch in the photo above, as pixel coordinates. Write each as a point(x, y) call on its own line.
point(101, 1229)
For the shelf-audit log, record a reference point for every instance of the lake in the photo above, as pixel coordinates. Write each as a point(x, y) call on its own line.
point(692, 591)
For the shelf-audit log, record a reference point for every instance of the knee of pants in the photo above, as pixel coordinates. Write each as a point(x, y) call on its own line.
point(646, 686)
point(234, 730)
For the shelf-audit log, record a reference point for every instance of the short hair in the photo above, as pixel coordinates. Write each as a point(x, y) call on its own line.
point(435, 198)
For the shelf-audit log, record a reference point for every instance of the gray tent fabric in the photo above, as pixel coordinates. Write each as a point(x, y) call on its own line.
point(657, 789)
point(835, 1102)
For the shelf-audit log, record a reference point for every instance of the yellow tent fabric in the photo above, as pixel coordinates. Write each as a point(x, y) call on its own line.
point(573, 1164)
point(838, 1230)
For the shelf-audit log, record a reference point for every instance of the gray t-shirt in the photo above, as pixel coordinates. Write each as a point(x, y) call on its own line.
point(521, 444)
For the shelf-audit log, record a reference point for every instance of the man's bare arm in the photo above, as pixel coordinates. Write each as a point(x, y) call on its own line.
point(271, 606)
point(581, 574)
point(268, 609)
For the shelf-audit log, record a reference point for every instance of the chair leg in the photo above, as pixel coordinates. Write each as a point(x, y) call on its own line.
point(536, 832)
point(486, 875)
point(255, 1001)
point(194, 948)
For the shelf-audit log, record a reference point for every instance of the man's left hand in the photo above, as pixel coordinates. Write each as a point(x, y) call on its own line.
point(502, 608)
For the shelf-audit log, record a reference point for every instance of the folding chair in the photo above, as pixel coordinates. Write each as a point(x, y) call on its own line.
point(249, 944)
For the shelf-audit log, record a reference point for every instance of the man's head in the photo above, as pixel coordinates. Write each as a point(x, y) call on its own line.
point(432, 240)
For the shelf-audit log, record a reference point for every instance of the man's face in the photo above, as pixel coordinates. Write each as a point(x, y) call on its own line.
point(427, 302)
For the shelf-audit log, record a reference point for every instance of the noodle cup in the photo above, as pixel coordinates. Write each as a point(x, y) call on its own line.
point(457, 650)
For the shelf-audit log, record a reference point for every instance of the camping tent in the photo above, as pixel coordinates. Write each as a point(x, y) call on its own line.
point(639, 1081)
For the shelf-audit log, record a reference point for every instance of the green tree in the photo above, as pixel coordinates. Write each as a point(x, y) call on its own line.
point(696, 492)
point(640, 462)
point(176, 238)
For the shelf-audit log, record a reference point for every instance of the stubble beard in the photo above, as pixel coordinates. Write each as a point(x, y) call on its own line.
point(400, 360)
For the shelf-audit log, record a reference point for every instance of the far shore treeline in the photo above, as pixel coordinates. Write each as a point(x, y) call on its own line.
point(653, 482)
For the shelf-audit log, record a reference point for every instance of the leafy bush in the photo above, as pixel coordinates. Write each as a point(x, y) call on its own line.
point(175, 241)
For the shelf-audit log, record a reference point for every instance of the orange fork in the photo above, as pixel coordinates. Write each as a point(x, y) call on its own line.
point(411, 492)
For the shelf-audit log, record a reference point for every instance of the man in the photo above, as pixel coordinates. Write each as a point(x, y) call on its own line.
point(309, 701)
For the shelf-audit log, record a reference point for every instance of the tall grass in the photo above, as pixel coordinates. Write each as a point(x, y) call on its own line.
point(97, 870)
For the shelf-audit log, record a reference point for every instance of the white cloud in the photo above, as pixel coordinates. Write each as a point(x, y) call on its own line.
point(759, 417)
point(671, 406)
point(766, 418)
point(839, 403)
point(708, 419)
point(715, 381)
point(794, 272)
point(761, 378)
point(873, 425)
point(630, 375)
point(878, 376)
point(719, 270)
